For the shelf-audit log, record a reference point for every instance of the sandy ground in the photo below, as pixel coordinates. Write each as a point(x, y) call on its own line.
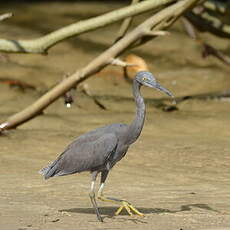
point(177, 173)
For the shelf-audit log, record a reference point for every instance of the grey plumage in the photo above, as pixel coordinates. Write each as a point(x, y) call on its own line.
point(92, 151)
point(99, 150)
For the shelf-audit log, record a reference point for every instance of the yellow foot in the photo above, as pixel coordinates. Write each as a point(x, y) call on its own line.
point(129, 208)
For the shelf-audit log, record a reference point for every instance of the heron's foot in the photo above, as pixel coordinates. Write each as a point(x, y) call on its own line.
point(124, 205)
point(129, 208)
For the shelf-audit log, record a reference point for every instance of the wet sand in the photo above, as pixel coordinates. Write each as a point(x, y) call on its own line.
point(177, 173)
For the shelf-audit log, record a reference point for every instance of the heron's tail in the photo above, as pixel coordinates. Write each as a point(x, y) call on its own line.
point(44, 171)
point(49, 171)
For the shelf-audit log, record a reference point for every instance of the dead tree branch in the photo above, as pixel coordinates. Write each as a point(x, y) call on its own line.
point(208, 50)
point(211, 16)
point(5, 16)
point(42, 44)
point(160, 21)
point(125, 24)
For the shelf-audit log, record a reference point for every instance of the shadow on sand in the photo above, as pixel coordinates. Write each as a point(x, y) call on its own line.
point(109, 211)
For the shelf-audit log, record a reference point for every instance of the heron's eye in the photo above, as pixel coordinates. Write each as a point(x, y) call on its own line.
point(144, 78)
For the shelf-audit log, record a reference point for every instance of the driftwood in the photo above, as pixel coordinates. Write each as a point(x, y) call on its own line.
point(160, 21)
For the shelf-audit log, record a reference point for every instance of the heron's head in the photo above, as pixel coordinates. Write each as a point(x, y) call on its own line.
point(147, 79)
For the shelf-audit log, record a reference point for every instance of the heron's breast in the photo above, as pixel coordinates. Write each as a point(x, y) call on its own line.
point(120, 152)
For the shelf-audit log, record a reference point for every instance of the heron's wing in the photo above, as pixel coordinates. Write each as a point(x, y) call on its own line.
point(84, 155)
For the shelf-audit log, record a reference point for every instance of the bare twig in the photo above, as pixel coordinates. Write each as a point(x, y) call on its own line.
point(159, 21)
point(189, 28)
point(218, 6)
point(17, 83)
point(156, 33)
point(86, 91)
point(125, 24)
point(5, 16)
point(208, 50)
point(206, 22)
point(119, 62)
point(42, 44)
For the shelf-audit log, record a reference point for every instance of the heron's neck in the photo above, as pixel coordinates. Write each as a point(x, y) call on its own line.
point(136, 126)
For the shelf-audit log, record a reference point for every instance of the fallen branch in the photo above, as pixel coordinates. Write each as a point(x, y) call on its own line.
point(42, 44)
point(159, 21)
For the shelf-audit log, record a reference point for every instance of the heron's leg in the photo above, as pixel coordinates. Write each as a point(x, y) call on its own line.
point(124, 204)
point(92, 195)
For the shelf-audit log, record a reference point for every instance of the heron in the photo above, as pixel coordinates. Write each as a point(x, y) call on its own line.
point(97, 151)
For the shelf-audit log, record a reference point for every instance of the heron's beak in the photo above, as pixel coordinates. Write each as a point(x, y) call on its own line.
point(161, 88)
